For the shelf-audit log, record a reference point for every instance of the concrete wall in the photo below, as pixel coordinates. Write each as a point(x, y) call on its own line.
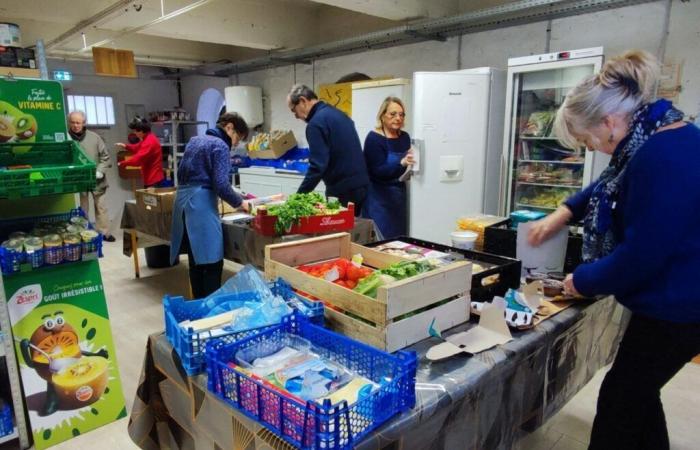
point(617, 30)
point(153, 94)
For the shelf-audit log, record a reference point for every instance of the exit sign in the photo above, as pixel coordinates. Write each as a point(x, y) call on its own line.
point(62, 75)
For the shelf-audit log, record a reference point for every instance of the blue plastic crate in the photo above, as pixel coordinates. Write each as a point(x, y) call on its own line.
point(190, 346)
point(312, 425)
point(13, 261)
point(6, 425)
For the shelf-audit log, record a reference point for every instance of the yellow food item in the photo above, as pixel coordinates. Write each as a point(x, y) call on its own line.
point(478, 224)
point(82, 383)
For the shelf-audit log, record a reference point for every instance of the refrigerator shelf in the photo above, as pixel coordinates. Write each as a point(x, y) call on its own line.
point(568, 186)
point(538, 138)
point(527, 205)
point(549, 161)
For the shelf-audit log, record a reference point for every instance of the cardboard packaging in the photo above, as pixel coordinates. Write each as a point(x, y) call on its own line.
point(158, 200)
point(280, 143)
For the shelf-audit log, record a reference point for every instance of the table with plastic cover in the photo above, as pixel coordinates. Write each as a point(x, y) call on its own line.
point(242, 244)
point(486, 401)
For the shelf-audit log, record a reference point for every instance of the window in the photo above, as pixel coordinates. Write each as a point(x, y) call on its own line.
point(98, 109)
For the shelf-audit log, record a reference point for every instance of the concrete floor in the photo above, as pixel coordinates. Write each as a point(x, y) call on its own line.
point(135, 311)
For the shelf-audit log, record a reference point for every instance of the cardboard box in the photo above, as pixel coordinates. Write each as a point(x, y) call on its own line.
point(158, 200)
point(280, 143)
point(403, 310)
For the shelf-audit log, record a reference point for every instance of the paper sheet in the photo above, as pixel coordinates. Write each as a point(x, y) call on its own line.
point(548, 257)
point(491, 331)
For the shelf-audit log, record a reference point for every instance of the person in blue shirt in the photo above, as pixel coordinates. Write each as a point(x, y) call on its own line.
point(641, 241)
point(388, 154)
point(203, 175)
point(336, 152)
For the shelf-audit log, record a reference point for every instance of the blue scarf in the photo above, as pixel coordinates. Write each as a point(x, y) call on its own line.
point(599, 239)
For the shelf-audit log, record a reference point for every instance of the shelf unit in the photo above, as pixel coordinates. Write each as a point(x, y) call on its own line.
point(175, 129)
point(539, 161)
point(567, 186)
point(7, 346)
point(528, 205)
point(9, 437)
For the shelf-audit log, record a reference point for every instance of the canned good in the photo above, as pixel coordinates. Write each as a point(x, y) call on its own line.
point(79, 221)
point(74, 229)
point(34, 248)
point(17, 235)
point(89, 238)
point(15, 256)
point(72, 248)
point(53, 249)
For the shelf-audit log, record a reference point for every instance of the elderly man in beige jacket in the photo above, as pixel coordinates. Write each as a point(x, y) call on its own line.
point(94, 147)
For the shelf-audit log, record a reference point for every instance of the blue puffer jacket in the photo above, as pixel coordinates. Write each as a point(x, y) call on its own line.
point(336, 152)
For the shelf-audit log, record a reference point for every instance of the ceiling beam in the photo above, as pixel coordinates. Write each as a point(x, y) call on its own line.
point(89, 22)
point(160, 19)
point(517, 13)
point(397, 10)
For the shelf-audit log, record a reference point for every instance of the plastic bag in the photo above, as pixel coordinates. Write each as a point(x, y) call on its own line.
point(249, 295)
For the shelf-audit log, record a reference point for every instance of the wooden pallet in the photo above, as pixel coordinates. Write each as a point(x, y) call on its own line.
point(389, 329)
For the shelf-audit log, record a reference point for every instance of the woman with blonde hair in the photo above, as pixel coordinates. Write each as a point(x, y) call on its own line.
point(387, 154)
point(641, 242)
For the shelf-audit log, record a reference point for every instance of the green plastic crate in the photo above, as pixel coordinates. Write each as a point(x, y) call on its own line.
point(56, 168)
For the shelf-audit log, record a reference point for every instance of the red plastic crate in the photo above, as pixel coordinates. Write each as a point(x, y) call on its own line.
point(343, 221)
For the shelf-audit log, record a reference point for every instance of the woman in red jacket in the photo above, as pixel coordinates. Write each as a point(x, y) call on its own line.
point(147, 153)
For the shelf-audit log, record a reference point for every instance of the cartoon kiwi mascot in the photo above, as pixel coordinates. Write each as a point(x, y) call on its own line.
point(54, 352)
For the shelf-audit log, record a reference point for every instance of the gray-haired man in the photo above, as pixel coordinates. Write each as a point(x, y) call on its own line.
point(94, 147)
point(336, 151)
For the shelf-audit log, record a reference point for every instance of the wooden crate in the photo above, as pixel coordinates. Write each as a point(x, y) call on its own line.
point(391, 331)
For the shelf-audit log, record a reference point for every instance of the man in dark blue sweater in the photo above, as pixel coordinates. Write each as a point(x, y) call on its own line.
point(336, 151)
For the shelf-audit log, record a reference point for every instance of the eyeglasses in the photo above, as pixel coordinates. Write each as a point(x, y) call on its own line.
point(395, 113)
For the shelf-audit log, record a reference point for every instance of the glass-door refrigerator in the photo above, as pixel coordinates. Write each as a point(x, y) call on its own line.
point(540, 173)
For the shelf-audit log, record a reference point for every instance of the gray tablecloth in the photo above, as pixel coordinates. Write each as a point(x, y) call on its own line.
point(487, 401)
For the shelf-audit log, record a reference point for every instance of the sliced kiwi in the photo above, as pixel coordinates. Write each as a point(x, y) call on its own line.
point(25, 127)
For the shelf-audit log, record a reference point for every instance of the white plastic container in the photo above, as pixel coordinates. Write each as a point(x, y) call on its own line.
point(464, 239)
point(10, 35)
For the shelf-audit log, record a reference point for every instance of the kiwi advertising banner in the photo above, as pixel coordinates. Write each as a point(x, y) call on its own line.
point(31, 111)
point(65, 351)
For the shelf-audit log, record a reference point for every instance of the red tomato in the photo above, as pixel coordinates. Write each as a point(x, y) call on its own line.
point(351, 284)
point(340, 283)
point(366, 271)
point(304, 268)
point(316, 273)
point(354, 273)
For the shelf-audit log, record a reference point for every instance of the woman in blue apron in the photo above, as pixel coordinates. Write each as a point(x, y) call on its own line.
point(203, 175)
point(388, 154)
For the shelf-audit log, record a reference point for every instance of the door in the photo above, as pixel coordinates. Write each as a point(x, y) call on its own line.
point(368, 97)
point(450, 118)
point(541, 172)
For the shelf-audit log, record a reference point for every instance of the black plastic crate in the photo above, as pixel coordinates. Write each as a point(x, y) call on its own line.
point(500, 239)
point(507, 269)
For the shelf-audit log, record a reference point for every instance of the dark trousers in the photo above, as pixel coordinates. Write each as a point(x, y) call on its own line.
point(630, 414)
point(356, 196)
point(204, 278)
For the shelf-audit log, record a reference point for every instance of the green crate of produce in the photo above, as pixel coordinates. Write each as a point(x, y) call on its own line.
point(30, 170)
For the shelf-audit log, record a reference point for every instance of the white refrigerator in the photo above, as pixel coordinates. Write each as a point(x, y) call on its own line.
point(458, 131)
point(538, 172)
